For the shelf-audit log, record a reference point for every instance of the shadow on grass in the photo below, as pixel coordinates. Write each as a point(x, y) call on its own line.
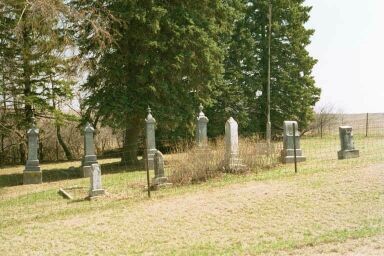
point(57, 174)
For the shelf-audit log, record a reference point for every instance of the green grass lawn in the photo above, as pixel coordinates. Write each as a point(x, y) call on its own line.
point(330, 206)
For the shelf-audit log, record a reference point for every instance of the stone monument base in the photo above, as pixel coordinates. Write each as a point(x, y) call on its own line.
point(346, 154)
point(88, 160)
point(291, 159)
point(32, 177)
point(96, 192)
point(159, 181)
point(235, 165)
point(86, 171)
point(288, 156)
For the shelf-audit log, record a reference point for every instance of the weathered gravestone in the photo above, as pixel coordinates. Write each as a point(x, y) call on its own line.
point(289, 142)
point(232, 160)
point(96, 188)
point(89, 150)
point(201, 129)
point(347, 146)
point(159, 178)
point(32, 173)
point(150, 140)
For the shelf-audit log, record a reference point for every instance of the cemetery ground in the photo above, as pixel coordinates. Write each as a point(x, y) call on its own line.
point(329, 207)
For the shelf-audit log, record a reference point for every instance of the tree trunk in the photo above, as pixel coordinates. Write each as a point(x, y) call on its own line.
point(67, 152)
point(2, 153)
point(41, 151)
point(130, 147)
point(27, 73)
point(22, 152)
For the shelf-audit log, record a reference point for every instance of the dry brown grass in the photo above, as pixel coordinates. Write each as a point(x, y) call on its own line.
point(196, 165)
point(337, 213)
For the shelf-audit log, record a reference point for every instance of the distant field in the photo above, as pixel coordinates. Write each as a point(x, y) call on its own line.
point(330, 207)
point(358, 122)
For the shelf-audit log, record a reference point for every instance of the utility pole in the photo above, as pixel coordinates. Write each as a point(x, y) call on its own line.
point(268, 135)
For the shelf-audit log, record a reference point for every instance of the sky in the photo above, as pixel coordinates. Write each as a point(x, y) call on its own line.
point(349, 46)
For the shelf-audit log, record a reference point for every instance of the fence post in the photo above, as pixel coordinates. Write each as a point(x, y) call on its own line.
point(294, 146)
point(146, 149)
point(147, 170)
point(366, 126)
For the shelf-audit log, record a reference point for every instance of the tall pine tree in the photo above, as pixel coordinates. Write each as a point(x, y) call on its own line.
point(168, 55)
point(36, 69)
point(293, 90)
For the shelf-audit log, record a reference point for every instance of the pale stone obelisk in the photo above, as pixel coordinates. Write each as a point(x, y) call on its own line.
point(201, 129)
point(89, 150)
point(32, 173)
point(150, 123)
point(232, 160)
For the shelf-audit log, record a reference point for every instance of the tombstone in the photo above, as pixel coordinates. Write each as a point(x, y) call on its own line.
point(87, 171)
point(347, 146)
point(89, 150)
point(288, 152)
point(96, 188)
point(232, 160)
point(32, 173)
point(159, 178)
point(150, 140)
point(201, 129)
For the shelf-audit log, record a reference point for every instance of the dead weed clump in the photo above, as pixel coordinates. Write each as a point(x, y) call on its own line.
point(256, 154)
point(196, 165)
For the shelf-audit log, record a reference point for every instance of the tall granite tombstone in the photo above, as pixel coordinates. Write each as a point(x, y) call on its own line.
point(95, 178)
point(89, 150)
point(32, 173)
point(201, 129)
point(158, 163)
point(232, 160)
point(347, 145)
point(288, 152)
point(150, 123)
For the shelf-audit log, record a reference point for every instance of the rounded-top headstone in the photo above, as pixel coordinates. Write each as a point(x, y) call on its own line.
point(231, 120)
point(288, 128)
point(231, 135)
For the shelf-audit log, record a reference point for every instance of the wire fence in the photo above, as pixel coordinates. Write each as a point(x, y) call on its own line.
point(187, 164)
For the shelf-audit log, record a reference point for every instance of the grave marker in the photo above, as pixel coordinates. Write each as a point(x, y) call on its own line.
point(289, 142)
point(32, 173)
point(201, 129)
point(347, 145)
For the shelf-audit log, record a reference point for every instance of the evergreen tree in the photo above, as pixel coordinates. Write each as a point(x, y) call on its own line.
point(293, 90)
point(168, 55)
point(36, 69)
